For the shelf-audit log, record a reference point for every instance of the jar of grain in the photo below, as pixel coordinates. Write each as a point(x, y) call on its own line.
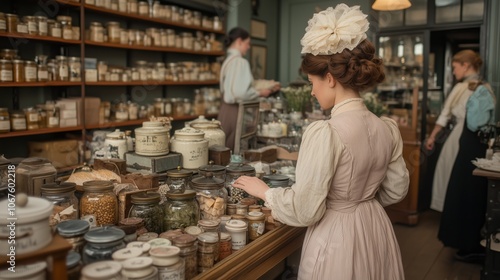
point(146, 206)
point(18, 70)
point(6, 74)
point(99, 202)
point(73, 231)
point(64, 200)
point(30, 70)
point(188, 252)
point(101, 243)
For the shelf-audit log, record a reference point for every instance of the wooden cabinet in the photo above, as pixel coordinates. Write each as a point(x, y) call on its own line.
point(19, 95)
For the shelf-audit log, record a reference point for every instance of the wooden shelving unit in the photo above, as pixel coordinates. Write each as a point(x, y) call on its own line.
point(38, 37)
point(151, 48)
point(41, 84)
point(40, 131)
point(151, 83)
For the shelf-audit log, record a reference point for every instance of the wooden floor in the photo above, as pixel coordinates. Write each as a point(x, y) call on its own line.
point(425, 258)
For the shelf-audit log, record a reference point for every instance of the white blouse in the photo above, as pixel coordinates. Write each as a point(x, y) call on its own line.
point(236, 79)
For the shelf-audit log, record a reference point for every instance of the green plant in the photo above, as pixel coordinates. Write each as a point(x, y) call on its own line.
point(297, 97)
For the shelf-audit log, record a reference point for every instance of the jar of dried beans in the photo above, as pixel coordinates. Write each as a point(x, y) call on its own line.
point(99, 203)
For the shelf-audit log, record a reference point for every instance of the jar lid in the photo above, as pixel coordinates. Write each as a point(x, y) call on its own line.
point(240, 169)
point(224, 236)
point(187, 194)
point(28, 271)
point(72, 259)
point(34, 210)
point(126, 253)
point(143, 246)
point(225, 218)
point(72, 228)
point(104, 235)
point(255, 216)
point(165, 252)
point(102, 269)
point(236, 224)
point(277, 179)
point(147, 236)
point(207, 182)
point(184, 240)
point(117, 134)
point(97, 186)
point(211, 167)
point(137, 263)
point(206, 125)
point(159, 242)
point(144, 198)
point(179, 173)
point(170, 234)
point(208, 224)
point(32, 161)
point(189, 134)
point(54, 188)
point(132, 221)
point(208, 237)
point(152, 124)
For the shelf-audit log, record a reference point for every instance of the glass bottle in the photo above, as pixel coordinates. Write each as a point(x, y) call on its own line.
point(18, 70)
point(233, 172)
point(3, 22)
point(75, 72)
point(181, 210)
point(64, 200)
point(188, 252)
point(96, 32)
point(99, 202)
point(212, 226)
point(146, 206)
point(18, 121)
point(66, 28)
point(178, 180)
point(32, 24)
point(208, 243)
point(6, 71)
point(62, 70)
point(30, 70)
point(42, 69)
point(101, 243)
point(74, 231)
point(211, 196)
point(31, 118)
point(42, 25)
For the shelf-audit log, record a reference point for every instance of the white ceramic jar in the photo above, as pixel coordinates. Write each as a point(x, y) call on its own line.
point(126, 253)
point(34, 271)
point(213, 132)
point(109, 270)
point(192, 145)
point(116, 144)
point(238, 231)
point(165, 256)
point(152, 139)
point(30, 229)
point(139, 268)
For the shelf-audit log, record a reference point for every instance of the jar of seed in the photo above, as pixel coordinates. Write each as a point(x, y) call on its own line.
point(101, 243)
point(147, 207)
point(188, 252)
point(99, 202)
point(225, 245)
point(208, 243)
point(233, 172)
point(181, 210)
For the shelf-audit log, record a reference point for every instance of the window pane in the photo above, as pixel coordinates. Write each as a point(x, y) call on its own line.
point(390, 19)
point(472, 10)
point(417, 13)
point(447, 11)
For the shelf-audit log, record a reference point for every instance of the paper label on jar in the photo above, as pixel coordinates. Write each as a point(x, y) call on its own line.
point(6, 75)
point(32, 28)
point(56, 32)
point(33, 117)
point(43, 75)
point(42, 27)
point(53, 121)
point(121, 115)
point(90, 219)
point(30, 73)
point(68, 34)
point(63, 71)
point(5, 125)
point(19, 124)
point(22, 28)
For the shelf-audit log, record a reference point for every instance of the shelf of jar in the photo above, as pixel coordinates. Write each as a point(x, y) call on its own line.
point(40, 84)
point(39, 37)
point(150, 19)
point(153, 82)
point(40, 131)
point(152, 48)
point(69, 2)
point(140, 121)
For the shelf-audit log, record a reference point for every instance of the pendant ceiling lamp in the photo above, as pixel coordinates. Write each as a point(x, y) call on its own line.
point(391, 5)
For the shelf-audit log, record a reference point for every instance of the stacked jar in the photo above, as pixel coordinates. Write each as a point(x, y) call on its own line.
point(146, 206)
point(212, 226)
point(208, 243)
point(168, 262)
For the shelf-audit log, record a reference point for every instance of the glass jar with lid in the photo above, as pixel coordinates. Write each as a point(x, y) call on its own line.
point(18, 121)
point(208, 243)
point(96, 32)
point(143, 8)
point(188, 252)
point(101, 243)
point(55, 29)
point(31, 118)
point(4, 120)
point(42, 25)
point(64, 200)
point(32, 24)
point(109, 270)
point(3, 22)
point(146, 206)
point(178, 180)
point(12, 20)
point(132, 7)
point(52, 112)
point(73, 265)
point(74, 66)
point(67, 29)
point(181, 210)
point(6, 71)
point(74, 231)
point(99, 202)
point(224, 245)
point(196, 18)
point(18, 70)
point(62, 69)
point(233, 172)
point(211, 196)
point(113, 28)
point(218, 171)
point(30, 71)
point(142, 67)
point(256, 224)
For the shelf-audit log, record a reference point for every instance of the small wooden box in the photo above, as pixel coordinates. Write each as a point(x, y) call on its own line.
point(219, 155)
point(266, 154)
point(152, 164)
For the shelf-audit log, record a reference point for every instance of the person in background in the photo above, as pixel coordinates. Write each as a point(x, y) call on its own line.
point(236, 82)
point(349, 167)
point(466, 66)
point(465, 203)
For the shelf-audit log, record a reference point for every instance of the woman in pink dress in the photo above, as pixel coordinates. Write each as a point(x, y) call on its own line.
point(349, 167)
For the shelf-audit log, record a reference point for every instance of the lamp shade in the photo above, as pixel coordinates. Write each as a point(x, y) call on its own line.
point(391, 5)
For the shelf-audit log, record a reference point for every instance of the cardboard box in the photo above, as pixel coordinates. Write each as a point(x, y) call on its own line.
point(92, 105)
point(150, 165)
point(61, 153)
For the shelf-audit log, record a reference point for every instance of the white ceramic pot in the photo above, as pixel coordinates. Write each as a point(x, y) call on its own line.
point(140, 267)
point(109, 270)
point(30, 230)
point(192, 145)
point(34, 271)
point(213, 132)
point(116, 144)
point(165, 256)
point(152, 139)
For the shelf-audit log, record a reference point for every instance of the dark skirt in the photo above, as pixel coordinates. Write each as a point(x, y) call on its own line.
point(228, 115)
point(465, 203)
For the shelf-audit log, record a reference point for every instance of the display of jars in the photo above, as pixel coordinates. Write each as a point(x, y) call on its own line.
point(101, 243)
point(181, 210)
point(74, 231)
point(188, 252)
point(146, 206)
point(192, 145)
point(99, 203)
point(63, 197)
point(233, 172)
point(211, 196)
point(152, 139)
point(178, 180)
point(4, 120)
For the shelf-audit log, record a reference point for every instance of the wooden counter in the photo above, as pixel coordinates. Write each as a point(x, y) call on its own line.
point(258, 257)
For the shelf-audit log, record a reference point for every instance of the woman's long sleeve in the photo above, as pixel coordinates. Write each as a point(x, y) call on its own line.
point(304, 203)
point(237, 83)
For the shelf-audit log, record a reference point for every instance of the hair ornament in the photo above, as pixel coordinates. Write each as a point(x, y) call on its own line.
point(333, 30)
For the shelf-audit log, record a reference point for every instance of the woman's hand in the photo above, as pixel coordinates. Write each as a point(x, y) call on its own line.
point(252, 185)
point(429, 144)
point(265, 92)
